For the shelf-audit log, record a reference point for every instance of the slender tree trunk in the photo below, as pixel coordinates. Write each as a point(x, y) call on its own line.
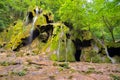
point(110, 28)
point(112, 34)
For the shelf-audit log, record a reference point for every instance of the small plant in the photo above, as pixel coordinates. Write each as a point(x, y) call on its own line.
point(55, 64)
point(115, 77)
point(4, 63)
point(64, 65)
point(20, 73)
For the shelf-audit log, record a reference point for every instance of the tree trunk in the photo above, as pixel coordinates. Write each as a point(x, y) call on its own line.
point(112, 35)
point(110, 27)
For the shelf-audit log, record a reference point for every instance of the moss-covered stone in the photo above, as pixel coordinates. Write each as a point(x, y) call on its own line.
point(20, 33)
point(41, 20)
point(64, 52)
point(64, 47)
point(89, 55)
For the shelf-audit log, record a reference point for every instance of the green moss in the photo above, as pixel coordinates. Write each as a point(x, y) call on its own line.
point(16, 35)
point(53, 57)
point(18, 32)
point(20, 73)
point(89, 55)
point(66, 52)
point(41, 20)
point(64, 47)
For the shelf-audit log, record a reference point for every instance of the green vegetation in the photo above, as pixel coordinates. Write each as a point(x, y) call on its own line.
point(84, 20)
point(6, 63)
point(115, 77)
point(100, 16)
point(20, 73)
point(91, 70)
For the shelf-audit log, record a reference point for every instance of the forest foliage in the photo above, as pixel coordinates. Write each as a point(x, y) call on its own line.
point(101, 17)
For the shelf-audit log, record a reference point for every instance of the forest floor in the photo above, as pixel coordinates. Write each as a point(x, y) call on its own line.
point(20, 66)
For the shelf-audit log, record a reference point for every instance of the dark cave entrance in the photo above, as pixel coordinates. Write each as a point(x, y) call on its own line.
point(79, 45)
point(114, 51)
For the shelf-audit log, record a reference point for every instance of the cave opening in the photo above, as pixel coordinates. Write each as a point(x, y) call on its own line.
point(30, 17)
point(77, 43)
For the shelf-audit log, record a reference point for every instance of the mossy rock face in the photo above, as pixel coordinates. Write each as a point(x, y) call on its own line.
point(59, 33)
point(89, 55)
point(15, 33)
point(63, 47)
point(21, 32)
point(64, 52)
point(49, 16)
